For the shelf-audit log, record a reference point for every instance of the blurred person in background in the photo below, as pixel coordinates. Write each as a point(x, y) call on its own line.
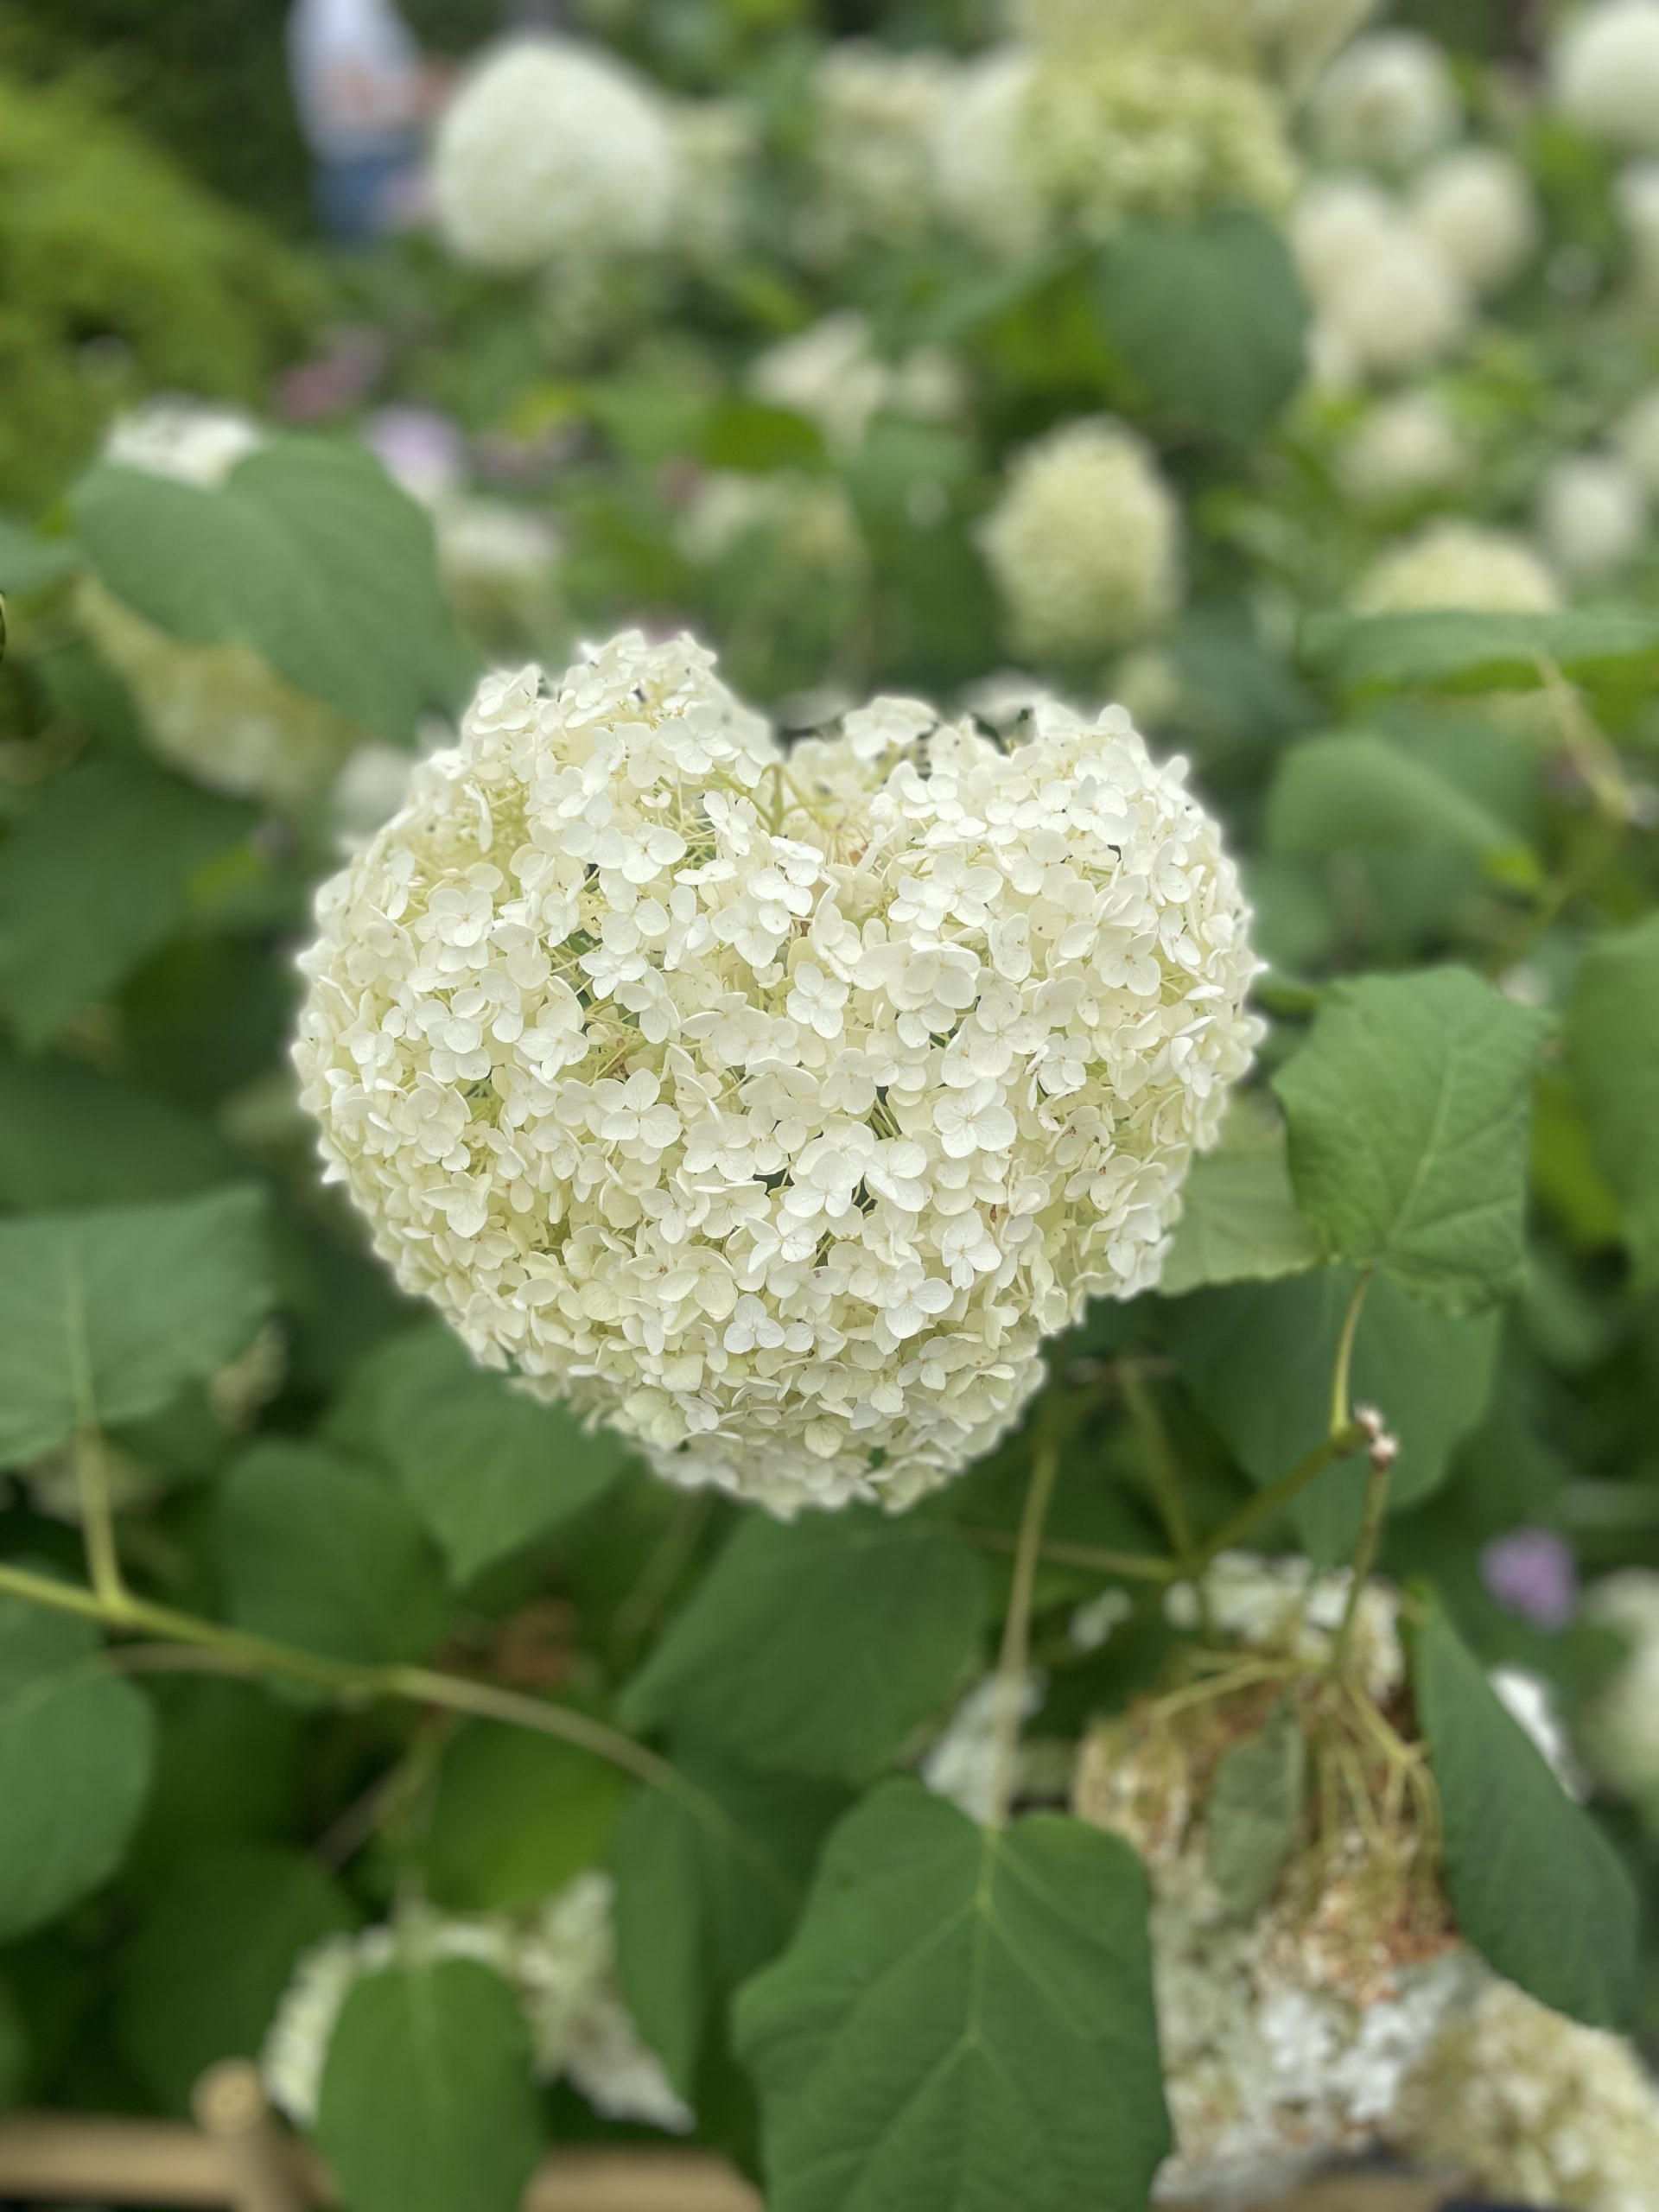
point(362, 88)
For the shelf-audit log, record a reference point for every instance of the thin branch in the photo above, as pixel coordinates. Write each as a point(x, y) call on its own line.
point(1016, 1632)
point(1135, 1567)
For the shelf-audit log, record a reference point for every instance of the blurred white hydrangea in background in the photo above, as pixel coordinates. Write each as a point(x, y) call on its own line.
point(1593, 517)
point(876, 115)
point(1388, 102)
point(1405, 446)
point(551, 150)
point(560, 1959)
point(1388, 301)
point(1606, 74)
point(1477, 205)
point(1084, 544)
point(1462, 567)
point(722, 1091)
point(831, 374)
point(1619, 1731)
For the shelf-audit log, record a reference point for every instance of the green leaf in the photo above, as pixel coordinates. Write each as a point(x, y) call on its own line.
point(72, 1138)
point(1612, 1035)
point(708, 1889)
point(1254, 1812)
point(308, 553)
point(29, 562)
point(486, 1467)
point(1458, 651)
point(1359, 791)
point(814, 1647)
point(96, 876)
point(315, 1552)
point(427, 2103)
point(76, 1750)
point(1409, 1114)
point(1259, 1360)
point(1536, 1886)
point(1209, 316)
point(514, 1816)
point(106, 1315)
point(748, 434)
point(1240, 1222)
point(964, 2019)
point(201, 1979)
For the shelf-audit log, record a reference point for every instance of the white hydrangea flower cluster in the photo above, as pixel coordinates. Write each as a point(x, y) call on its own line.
point(1594, 517)
point(1388, 102)
point(1084, 544)
point(1458, 566)
point(1536, 2107)
point(1619, 1731)
point(1387, 302)
point(559, 1959)
point(1406, 447)
point(1112, 131)
point(1605, 74)
point(833, 376)
point(980, 181)
point(550, 151)
point(1476, 203)
point(775, 1108)
point(1288, 40)
point(877, 115)
point(219, 713)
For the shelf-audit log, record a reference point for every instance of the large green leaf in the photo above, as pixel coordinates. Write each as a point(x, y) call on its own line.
point(964, 2020)
point(513, 1817)
point(427, 2103)
point(1259, 1360)
point(29, 562)
point(76, 1751)
point(487, 1468)
point(1357, 790)
point(1240, 1222)
point(1612, 1033)
point(308, 552)
point(70, 1137)
point(1451, 651)
point(96, 876)
point(1209, 316)
point(214, 1954)
point(709, 1885)
point(1408, 1116)
point(104, 1316)
point(1536, 1887)
point(814, 1647)
point(316, 1552)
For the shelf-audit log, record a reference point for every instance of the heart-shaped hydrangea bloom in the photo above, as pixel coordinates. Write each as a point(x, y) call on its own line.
point(775, 1108)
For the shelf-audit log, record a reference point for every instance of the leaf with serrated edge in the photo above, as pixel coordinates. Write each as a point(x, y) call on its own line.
point(1409, 1109)
point(964, 2019)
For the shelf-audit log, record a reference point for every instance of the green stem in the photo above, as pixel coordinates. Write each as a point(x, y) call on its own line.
point(1267, 1504)
point(421, 1686)
point(1341, 1383)
point(97, 1516)
point(1161, 1463)
point(1016, 1631)
point(1135, 1567)
point(1370, 1535)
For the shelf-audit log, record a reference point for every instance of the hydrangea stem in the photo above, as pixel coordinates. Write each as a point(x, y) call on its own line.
point(1016, 1632)
point(237, 1653)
